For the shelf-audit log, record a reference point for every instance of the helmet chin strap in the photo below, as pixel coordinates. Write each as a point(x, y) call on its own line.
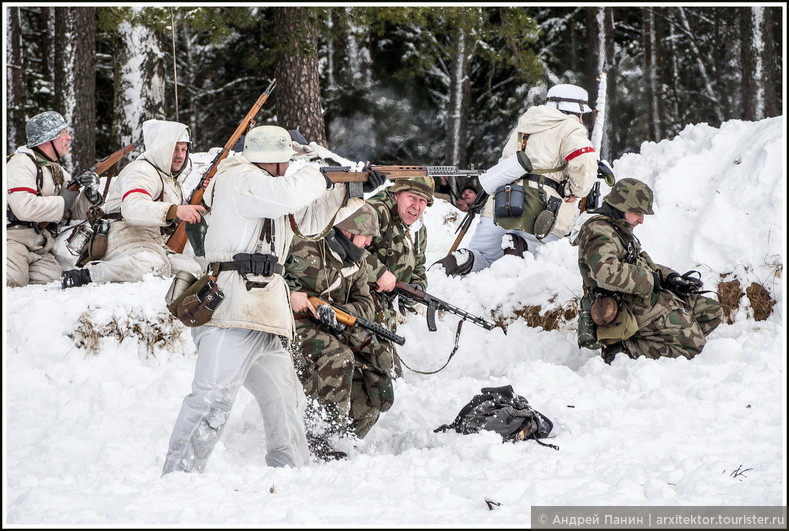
point(55, 149)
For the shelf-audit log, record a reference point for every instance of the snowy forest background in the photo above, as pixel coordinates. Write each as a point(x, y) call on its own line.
point(393, 85)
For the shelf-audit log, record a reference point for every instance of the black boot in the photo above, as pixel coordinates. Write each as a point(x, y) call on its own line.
point(321, 448)
point(75, 278)
point(458, 263)
point(513, 245)
point(610, 352)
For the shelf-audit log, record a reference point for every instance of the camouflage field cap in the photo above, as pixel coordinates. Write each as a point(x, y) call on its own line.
point(364, 222)
point(631, 195)
point(421, 186)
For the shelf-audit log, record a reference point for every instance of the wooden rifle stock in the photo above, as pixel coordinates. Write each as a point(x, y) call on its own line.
point(100, 167)
point(177, 240)
point(106, 163)
point(473, 210)
point(343, 174)
point(350, 320)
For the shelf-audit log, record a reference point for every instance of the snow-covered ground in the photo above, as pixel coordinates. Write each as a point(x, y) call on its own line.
point(87, 418)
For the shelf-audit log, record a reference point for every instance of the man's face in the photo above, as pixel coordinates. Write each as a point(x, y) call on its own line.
point(180, 153)
point(63, 142)
point(468, 196)
point(634, 219)
point(361, 241)
point(410, 206)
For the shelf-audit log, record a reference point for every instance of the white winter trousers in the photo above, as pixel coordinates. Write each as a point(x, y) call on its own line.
point(485, 243)
point(228, 358)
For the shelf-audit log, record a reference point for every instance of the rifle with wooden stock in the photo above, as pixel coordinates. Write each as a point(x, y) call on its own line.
point(100, 167)
point(105, 164)
point(177, 240)
point(343, 174)
point(350, 319)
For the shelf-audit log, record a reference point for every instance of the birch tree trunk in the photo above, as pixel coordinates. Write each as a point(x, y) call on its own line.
point(139, 82)
point(757, 56)
point(15, 82)
point(298, 92)
point(458, 107)
point(652, 86)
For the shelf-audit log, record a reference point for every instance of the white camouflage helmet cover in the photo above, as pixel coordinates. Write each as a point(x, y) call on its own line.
point(569, 98)
point(44, 127)
point(268, 143)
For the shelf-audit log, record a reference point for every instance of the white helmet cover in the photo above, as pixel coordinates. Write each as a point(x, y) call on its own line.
point(569, 98)
point(268, 143)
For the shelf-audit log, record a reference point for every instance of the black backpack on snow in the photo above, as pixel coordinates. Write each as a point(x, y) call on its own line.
point(499, 409)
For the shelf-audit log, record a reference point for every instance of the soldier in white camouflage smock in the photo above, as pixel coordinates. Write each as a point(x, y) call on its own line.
point(670, 316)
point(39, 199)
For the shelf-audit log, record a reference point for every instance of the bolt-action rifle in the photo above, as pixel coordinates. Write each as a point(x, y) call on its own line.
point(351, 319)
point(100, 167)
point(105, 164)
point(177, 240)
point(433, 304)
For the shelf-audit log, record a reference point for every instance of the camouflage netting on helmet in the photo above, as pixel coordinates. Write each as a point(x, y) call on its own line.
point(630, 195)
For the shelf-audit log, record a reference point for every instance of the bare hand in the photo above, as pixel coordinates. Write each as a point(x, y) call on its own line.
point(300, 303)
point(570, 199)
point(190, 213)
point(386, 282)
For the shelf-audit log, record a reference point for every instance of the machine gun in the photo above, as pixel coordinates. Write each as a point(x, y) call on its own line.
point(433, 304)
point(350, 319)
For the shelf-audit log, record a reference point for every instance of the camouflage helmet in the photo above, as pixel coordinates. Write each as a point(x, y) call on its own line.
point(44, 127)
point(364, 222)
point(421, 186)
point(630, 195)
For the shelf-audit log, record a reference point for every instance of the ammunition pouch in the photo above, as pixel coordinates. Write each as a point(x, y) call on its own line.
point(252, 264)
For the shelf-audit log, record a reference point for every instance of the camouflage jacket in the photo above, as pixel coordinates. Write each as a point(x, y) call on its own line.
point(610, 258)
point(397, 248)
point(317, 270)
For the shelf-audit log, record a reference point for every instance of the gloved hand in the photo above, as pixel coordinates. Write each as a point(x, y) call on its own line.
point(329, 318)
point(303, 151)
point(604, 171)
point(683, 285)
point(374, 179)
point(329, 183)
point(90, 180)
point(69, 196)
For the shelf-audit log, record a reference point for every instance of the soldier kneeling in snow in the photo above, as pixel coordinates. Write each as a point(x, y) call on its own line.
point(660, 312)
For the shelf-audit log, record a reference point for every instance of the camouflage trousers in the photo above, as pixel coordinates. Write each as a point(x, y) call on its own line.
point(349, 377)
point(679, 331)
